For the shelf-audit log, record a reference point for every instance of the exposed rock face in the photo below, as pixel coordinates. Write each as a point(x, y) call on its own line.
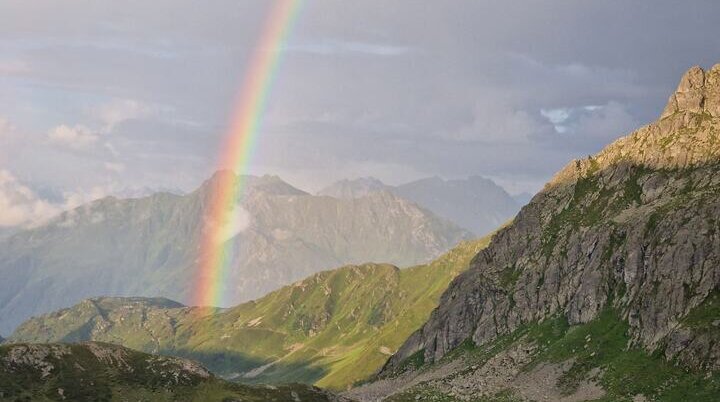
point(49, 359)
point(635, 228)
point(698, 92)
point(149, 246)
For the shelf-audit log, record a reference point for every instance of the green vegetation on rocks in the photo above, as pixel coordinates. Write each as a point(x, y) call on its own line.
point(332, 329)
point(104, 372)
point(618, 253)
point(597, 354)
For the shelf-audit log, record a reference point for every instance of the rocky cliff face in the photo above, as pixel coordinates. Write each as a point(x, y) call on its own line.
point(635, 229)
point(149, 246)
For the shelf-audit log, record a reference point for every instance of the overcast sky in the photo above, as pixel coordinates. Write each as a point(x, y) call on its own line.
point(101, 97)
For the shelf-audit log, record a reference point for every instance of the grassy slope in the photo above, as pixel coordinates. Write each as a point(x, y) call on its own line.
point(335, 328)
point(80, 373)
point(332, 329)
point(626, 371)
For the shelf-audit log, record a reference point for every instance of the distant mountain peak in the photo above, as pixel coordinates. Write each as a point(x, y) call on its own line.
point(272, 184)
point(476, 203)
point(267, 183)
point(354, 188)
point(219, 175)
point(149, 246)
point(364, 180)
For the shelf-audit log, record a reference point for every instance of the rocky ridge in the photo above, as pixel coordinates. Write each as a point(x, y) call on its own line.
point(92, 371)
point(633, 230)
point(149, 246)
point(474, 203)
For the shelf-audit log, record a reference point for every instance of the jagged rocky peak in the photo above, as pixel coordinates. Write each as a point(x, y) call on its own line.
point(698, 92)
point(633, 228)
point(686, 135)
point(270, 184)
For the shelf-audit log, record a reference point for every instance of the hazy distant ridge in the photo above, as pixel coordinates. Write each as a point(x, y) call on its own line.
point(475, 203)
point(148, 246)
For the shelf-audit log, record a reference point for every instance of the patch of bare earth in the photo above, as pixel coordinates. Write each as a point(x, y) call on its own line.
point(540, 384)
point(381, 389)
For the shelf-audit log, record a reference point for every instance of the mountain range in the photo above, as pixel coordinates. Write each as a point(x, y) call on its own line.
point(332, 329)
point(606, 286)
point(475, 203)
point(149, 246)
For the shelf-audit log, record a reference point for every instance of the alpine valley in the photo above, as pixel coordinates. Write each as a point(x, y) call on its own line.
point(604, 287)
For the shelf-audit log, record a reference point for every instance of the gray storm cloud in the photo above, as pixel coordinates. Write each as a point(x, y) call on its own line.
point(138, 93)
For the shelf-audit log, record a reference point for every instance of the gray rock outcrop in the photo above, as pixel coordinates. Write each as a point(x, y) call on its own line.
point(635, 228)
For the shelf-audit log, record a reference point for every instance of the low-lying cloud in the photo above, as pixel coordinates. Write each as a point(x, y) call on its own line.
point(75, 137)
point(20, 206)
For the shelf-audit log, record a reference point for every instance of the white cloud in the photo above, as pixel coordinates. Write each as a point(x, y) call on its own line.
point(114, 167)
point(13, 67)
point(588, 128)
point(602, 124)
point(20, 206)
point(74, 199)
point(4, 125)
point(5, 130)
point(238, 222)
point(119, 111)
point(498, 121)
point(556, 116)
point(393, 83)
point(77, 137)
point(332, 47)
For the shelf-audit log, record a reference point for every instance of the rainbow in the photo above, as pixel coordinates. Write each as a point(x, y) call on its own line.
point(235, 155)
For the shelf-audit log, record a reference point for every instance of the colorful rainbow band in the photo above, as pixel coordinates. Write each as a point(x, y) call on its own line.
point(236, 154)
